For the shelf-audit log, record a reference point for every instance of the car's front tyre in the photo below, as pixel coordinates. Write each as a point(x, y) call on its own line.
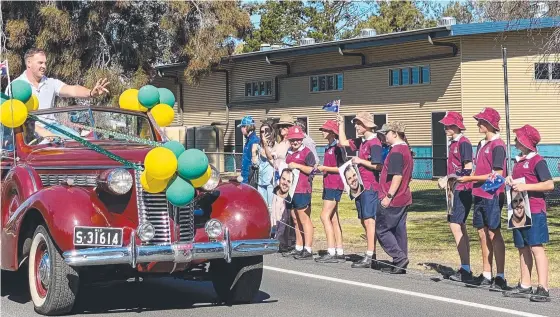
point(237, 282)
point(53, 284)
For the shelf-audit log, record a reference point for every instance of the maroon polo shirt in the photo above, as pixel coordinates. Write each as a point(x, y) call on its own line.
point(398, 162)
point(460, 153)
point(368, 150)
point(334, 157)
point(490, 155)
point(533, 167)
point(302, 156)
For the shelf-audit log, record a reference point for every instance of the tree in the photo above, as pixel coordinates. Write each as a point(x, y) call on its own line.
point(397, 16)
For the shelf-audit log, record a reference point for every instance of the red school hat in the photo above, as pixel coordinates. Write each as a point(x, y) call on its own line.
point(453, 118)
point(491, 116)
point(294, 133)
point(528, 136)
point(330, 125)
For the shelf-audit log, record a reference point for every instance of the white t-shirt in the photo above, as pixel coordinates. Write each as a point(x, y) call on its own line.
point(46, 92)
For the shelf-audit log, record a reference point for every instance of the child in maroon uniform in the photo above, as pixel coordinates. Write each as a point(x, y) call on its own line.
point(301, 158)
point(332, 191)
point(369, 164)
point(459, 162)
point(395, 198)
point(529, 240)
point(490, 158)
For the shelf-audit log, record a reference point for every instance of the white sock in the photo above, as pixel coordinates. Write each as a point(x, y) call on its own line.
point(299, 247)
point(332, 251)
point(525, 286)
point(466, 267)
point(501, 275)
point(308, 249)
point(487, 275)
point(369, 253)
point(339, 251)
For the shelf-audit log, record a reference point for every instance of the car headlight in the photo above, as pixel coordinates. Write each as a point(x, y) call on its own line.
point(213, 228)
point(117, 181)
point(146, 232)
point(214, 180)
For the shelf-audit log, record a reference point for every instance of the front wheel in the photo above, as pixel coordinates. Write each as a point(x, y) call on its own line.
point(237, 282)
point(53, 284)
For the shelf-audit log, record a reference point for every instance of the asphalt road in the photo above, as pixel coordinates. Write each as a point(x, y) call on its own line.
point(291, 288)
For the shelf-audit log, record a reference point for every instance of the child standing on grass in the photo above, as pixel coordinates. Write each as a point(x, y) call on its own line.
point(300, 157)
point(459, 162)
point(529, 240)
point(332, 191)
point(369, 165)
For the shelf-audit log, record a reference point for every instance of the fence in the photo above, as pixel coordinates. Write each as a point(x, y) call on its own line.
point(424, 186)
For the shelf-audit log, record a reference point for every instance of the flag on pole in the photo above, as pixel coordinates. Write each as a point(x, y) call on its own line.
point(332, 106)
point(4, 68)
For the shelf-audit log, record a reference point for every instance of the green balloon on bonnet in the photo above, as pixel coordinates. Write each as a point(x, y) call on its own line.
point(148, 96)
point(192, 164)
point(20, 90)
point(176, 147)
point(3, 97)
point(166, 97)
point(180, 192)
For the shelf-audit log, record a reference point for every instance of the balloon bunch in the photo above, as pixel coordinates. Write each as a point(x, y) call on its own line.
point(175, 170)
point(159, 101)
point(15, 107)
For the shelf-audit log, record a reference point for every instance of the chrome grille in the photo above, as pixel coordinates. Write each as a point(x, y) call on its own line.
point(79, 179)
point(186, 223)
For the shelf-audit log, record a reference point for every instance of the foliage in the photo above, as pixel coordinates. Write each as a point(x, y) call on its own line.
point(397, 16)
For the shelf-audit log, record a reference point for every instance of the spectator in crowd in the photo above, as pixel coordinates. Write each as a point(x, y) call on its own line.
point(308, 141)
point(369, 166)
point(247, 126)
point(395, 198)
point(332, 192)
point(264, 164)
point(490, 160)
point(459, 162)
point(529, 241)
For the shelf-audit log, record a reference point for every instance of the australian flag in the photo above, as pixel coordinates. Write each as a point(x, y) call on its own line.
point(4, 69)
point(332, 106)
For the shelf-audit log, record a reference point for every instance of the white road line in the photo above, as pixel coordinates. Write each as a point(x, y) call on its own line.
point(399, 291)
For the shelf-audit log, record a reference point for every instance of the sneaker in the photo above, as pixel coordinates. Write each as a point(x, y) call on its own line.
point(365, 263)
point(292, 253)
point(541, 295)
point(479, 281)
point(461, 276)
point(518, 292)
point(327, 258)
point(499, 284)
point(305, 255)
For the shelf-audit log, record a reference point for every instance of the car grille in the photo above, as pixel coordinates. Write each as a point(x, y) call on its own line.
point(79, 179)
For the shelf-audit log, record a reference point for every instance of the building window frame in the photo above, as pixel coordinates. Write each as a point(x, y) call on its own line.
point(552, 72)
point(263, 88)
point(423, 73)
point(336, 84)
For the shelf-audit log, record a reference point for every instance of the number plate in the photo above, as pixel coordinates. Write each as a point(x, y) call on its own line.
point(98, 236)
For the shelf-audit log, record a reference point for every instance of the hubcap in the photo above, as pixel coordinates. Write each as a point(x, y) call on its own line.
point(45, 269)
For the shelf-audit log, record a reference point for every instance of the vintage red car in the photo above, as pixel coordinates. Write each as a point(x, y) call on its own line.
point(73, 216)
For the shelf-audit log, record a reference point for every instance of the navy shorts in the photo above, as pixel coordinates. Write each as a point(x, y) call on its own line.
point(536, 234)
point(367, 203)
point(300, 201)
point(332, 194)
point(488, 212)
point(462, 201)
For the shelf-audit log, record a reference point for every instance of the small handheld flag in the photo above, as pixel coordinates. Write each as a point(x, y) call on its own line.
point(332, 106)
point(4, 69)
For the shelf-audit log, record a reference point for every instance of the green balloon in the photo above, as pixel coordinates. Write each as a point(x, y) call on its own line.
point(176, 147)
point(21, 90)
point(180, 192)
point(148, 96)
point(3, 97)
point(166, 97)
point(192, 164)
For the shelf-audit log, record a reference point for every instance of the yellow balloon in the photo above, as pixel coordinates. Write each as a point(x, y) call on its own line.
point(199, 182)
point(160, 163)
point(32, 104)
point(153, 185)
point(13, 113)
point(129, 100)
point(163, 114)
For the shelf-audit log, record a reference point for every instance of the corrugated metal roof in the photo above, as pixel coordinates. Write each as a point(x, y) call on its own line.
point(504, 26)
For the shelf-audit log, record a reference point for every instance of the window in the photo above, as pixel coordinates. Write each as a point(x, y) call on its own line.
point(379, 120)
point(332, 82)
point(547, 71)
point(261, 88)
point(416, 75)
point(238, 138)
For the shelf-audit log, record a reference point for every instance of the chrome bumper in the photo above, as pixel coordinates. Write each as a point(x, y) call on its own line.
point(178, 253)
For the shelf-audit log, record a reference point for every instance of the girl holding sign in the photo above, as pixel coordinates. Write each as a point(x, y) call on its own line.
point(369, 165)
point(529, 240)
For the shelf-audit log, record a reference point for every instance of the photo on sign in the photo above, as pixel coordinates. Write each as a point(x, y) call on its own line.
point(353, 184)
point(287, 183)
point(451, 184)
point(519, 208)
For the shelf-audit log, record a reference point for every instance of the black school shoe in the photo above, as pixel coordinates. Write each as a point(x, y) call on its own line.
point(461, 276)
point(396, 268)
point(519, 292)
point(327, 258)
point(292, 253)
point(365, 263)
point(479, 281)
point(340, 258)
point(499, 285)
point(305, 255)
point(541, 295)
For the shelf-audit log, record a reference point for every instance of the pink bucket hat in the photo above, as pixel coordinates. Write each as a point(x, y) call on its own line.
point(528, 136)
point(295, 132)
point(453, 118)
point(491, 116)
point(330, 125)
